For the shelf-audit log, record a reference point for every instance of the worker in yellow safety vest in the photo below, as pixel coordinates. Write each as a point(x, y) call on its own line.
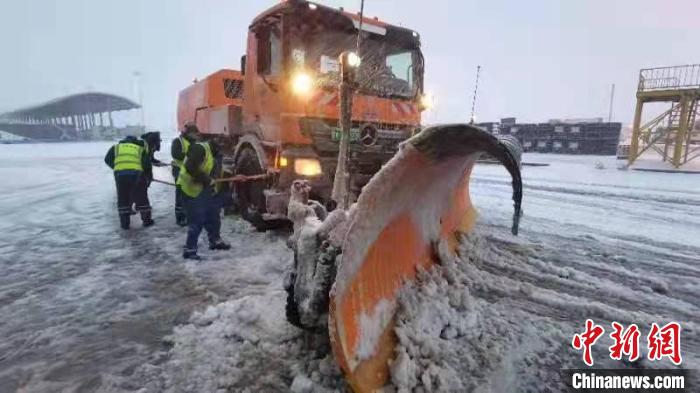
point(178, 149)
point(201, 197)
point(129, 159)
point(151, 141)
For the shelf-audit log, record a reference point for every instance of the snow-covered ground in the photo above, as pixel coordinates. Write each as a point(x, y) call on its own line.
point(82, 301)
point(86, 307)
point(7, 137)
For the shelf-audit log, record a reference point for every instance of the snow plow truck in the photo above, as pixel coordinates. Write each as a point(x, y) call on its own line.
point(279, 113)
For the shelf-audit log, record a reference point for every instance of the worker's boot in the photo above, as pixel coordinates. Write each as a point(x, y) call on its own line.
point(146, 218)
point(181, 220)
point(219, 244)
point(191, 254)
point(124, 220)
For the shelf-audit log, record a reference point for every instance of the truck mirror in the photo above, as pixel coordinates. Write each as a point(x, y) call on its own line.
point(243, 61)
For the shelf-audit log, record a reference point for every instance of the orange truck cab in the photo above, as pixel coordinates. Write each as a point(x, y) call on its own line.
point(280, 113)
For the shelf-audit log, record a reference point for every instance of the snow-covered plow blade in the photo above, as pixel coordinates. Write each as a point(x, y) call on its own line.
point(406, 218)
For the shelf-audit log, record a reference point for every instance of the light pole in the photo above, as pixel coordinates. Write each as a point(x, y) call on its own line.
point(348, 65)
point(472, 117)
point(612, 100)
point(137, 81)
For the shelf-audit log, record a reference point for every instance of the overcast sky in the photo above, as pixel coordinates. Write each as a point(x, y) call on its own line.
point(541, 59)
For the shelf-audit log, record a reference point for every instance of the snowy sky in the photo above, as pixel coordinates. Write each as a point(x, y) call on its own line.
point(541, 59)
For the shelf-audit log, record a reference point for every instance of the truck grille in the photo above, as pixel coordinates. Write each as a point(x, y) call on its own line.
point(365, 137)
point(366, 154)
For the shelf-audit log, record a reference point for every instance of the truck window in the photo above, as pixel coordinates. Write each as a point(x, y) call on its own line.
point(401, 67)
point(269, 51)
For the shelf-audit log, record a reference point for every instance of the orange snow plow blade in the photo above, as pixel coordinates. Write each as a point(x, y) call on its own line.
point(407, 215)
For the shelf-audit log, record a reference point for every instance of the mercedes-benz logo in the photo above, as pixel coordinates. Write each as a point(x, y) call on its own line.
point(368, 135)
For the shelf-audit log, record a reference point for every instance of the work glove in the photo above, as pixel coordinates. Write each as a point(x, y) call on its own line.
point(206, 180)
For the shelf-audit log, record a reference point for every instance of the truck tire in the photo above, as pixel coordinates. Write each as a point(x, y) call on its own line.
point(250, 198)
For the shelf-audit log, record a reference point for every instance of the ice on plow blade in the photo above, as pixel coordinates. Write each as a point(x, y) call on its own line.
point(407, 216)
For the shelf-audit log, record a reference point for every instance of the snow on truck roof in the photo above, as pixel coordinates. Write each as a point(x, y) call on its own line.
point(370, 24)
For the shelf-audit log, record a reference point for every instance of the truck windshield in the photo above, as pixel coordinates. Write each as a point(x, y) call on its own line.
point(388, 69)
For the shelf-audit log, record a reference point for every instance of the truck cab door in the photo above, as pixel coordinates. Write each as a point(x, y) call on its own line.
point(266, 84)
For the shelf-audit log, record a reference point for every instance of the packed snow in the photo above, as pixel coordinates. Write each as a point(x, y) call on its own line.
point(87, 307)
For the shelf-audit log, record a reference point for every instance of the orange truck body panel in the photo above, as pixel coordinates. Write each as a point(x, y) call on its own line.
point(197, 102)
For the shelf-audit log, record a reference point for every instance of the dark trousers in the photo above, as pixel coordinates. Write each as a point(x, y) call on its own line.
point(203, 212)
point(126, 184)
point(143, 205)
point(180, 215)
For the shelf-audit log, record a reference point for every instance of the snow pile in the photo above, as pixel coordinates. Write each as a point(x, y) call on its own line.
point(449, 339)
point(314, 267)
point(242, 342)
point(242, 345)
point(497, 319)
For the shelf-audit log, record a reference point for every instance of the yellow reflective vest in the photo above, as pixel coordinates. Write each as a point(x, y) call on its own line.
point(127, 157)
point(185, 147)
point(186, 181)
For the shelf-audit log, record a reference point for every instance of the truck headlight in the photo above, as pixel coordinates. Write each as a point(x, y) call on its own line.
point(302, 83)
point(354, 60)
point(427, 101)
point(307, 166)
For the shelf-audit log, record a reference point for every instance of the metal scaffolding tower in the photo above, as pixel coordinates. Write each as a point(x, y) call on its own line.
point(672, 133)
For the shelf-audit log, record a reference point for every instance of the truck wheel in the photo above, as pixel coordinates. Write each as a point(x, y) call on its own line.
point(249, 195)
